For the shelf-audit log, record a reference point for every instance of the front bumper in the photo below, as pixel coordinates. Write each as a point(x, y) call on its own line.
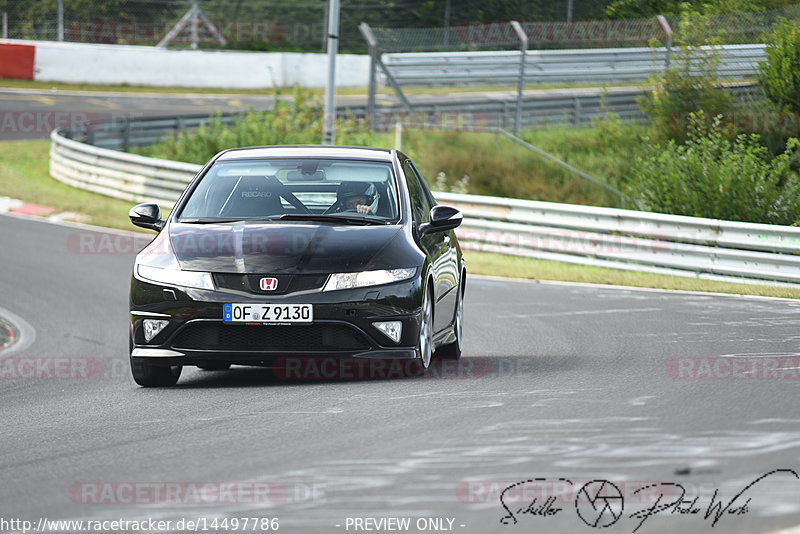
point(342, 327)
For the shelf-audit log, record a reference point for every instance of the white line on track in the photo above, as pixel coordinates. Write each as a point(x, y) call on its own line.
point(626, 288)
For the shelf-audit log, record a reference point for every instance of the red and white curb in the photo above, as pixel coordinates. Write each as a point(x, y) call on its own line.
point(8, 204)
point(8, 335)
point(20, 333)
point(18, 207)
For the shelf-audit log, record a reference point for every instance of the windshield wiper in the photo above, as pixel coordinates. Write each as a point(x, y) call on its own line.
point(206, 220)
point(212, 220)
point(351, 219)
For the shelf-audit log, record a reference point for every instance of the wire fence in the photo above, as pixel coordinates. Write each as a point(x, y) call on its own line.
point(541, 35)
point(736, 28)
point(245, 25)
point(399, 26)
point(743, 28)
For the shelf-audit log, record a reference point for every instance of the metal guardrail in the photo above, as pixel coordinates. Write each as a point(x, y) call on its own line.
point(118, 174)
point(607, 237)
point(556, 66)
point(524, 67)
point(123, 134)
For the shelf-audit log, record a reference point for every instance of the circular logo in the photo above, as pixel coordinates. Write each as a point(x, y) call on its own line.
point(599, 503)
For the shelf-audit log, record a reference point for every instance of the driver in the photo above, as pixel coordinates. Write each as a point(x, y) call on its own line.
point(356, 196)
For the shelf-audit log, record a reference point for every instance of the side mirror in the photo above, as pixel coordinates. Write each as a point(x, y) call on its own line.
point(443, 219)
point(147, 216)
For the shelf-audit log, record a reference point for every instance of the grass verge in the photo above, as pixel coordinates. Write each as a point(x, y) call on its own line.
point(24, 175)
point(8, 83)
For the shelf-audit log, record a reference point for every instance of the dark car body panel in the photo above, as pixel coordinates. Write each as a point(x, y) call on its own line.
point(301, 254)
point(287, 247)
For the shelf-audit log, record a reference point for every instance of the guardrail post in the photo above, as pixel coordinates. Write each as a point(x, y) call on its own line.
point(668, 30)
point(576, 111)
point(179, 127)
point(126, 135)
point(523, 49)
point(366, 32)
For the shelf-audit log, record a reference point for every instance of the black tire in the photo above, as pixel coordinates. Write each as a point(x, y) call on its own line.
point(214, 366)
point(148, 375)
point(452, 351)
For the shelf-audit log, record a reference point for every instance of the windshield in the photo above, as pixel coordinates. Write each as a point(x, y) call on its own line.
point(294, 189)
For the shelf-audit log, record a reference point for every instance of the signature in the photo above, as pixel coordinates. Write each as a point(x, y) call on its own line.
point(601, 503)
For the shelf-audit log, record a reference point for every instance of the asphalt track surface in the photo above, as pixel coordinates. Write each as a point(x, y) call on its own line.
point(29, 114)
point(558, 381)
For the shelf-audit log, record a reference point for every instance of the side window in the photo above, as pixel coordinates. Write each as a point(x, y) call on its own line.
point(428, 194)
point(420, 206)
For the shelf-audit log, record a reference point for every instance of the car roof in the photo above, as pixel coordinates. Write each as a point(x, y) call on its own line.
point(305, 151)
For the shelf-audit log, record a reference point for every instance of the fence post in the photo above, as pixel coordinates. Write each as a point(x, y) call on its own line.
point(329, 115)
point(366, 32)
point(5, 25)
point(398, 136)
point(668, 30)
point(60, 20)
point(523, 48)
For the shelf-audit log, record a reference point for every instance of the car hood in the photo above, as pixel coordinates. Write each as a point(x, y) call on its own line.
point(275, 248)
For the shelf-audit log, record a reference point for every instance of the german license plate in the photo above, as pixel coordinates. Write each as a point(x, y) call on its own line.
point(267, 313)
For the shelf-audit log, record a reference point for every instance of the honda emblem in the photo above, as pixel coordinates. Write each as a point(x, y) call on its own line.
point(268, 284)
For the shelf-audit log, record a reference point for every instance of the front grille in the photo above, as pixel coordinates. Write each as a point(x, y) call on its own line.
point(313, 337)
point(287, 283)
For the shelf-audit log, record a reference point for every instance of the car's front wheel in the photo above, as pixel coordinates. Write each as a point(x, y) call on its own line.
point(425, 340)
point(148, 375)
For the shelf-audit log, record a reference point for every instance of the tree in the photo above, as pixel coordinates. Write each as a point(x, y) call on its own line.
point(779, 75)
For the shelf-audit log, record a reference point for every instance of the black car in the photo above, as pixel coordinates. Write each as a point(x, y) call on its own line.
point(297, 252)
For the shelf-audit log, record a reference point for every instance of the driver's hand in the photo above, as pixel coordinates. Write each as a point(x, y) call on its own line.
point(364, 209)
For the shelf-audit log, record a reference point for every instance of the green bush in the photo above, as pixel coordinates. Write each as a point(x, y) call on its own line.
point(295, 122)
point(779, 75)
point(690, 84)
point(713, 176)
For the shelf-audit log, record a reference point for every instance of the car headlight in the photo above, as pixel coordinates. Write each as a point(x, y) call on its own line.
point(157, 263)
point(368, 278)
point(175, 277)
